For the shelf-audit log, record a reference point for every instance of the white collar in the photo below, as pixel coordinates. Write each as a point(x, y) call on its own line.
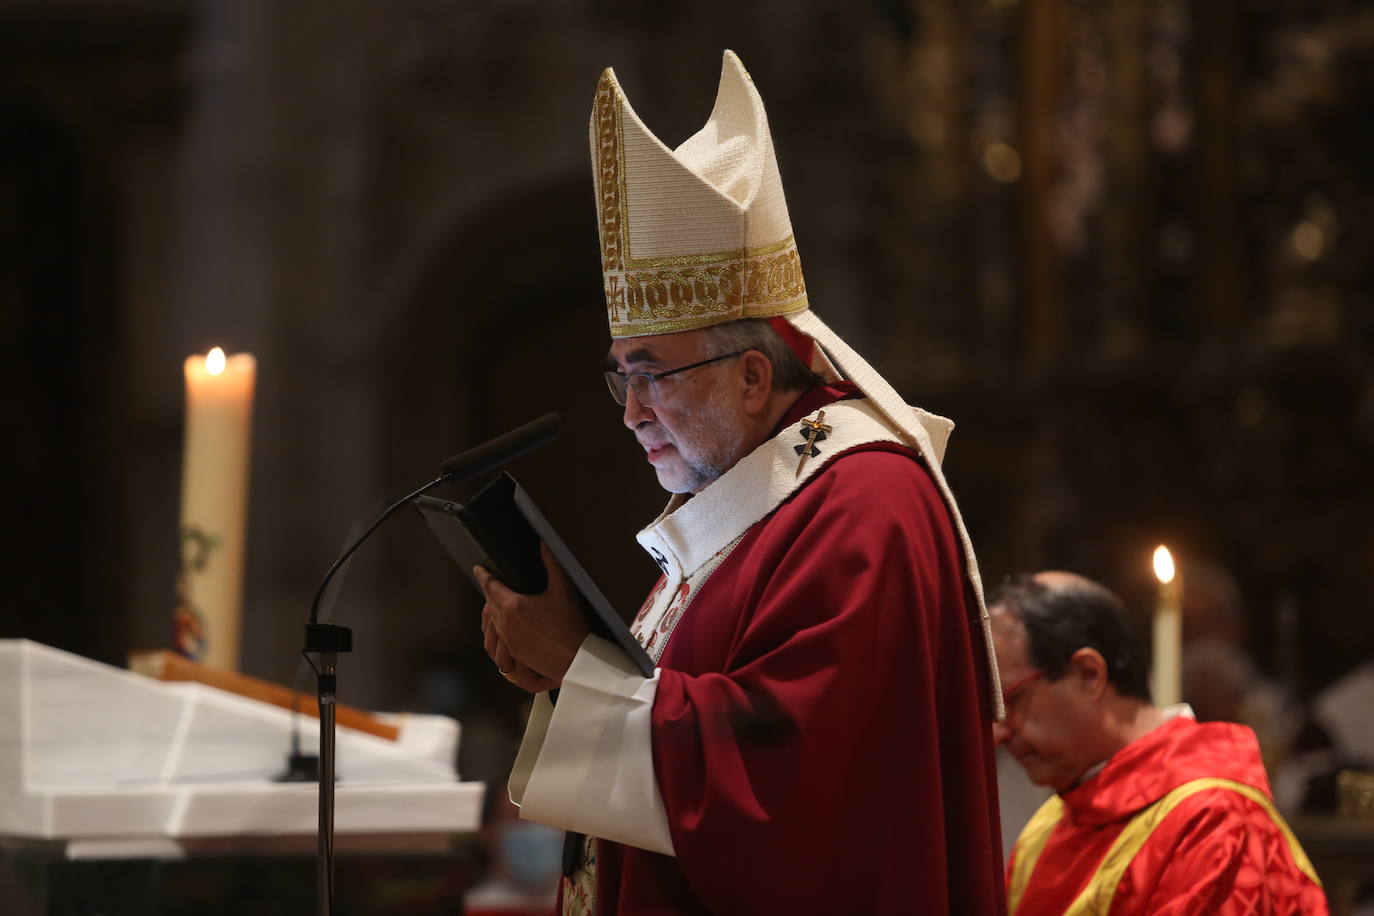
point(690, 531)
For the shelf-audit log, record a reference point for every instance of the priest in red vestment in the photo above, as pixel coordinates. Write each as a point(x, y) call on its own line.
point(1154, 812)
point(816, 736)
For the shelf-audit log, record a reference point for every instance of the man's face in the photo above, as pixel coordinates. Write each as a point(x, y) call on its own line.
point(1047, 724)
point(695, 430)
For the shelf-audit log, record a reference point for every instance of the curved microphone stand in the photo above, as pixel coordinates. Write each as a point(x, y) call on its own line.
point(327, 640)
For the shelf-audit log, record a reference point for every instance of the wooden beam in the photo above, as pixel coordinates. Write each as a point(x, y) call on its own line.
point(166, 665)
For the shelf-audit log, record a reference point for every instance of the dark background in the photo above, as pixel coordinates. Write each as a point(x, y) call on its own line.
point(1124, 244)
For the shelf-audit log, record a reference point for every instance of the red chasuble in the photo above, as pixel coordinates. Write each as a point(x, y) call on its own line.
point(1187, 814)
point(821, 730)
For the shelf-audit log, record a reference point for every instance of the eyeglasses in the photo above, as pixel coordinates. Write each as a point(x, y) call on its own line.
point(1011, 695)
point(644, 385)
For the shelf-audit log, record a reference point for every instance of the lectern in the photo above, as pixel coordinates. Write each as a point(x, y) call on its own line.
point(98, 763)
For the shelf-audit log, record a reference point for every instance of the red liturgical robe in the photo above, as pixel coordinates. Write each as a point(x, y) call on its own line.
point(821, 730)
point(817, 736)
point(1186, 812)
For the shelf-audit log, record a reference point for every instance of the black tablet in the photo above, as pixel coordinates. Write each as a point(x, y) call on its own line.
point(500, 528)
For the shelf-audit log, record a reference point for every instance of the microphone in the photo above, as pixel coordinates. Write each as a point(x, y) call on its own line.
point(506, 447)
point(460, 468)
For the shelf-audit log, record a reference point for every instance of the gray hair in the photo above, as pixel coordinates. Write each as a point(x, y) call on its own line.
point(789, 372)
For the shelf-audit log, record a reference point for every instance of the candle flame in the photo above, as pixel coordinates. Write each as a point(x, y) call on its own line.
point(214, 361)
point(1164, 565)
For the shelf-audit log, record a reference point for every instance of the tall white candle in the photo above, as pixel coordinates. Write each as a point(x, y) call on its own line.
point(214, 506)
point(1167, 672)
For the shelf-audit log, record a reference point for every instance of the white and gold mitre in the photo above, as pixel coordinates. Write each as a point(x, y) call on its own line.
point(697, 235)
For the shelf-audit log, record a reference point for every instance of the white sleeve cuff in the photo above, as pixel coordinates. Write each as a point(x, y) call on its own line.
point(586, 764)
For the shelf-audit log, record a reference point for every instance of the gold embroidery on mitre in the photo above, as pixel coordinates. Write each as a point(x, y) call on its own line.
point(610, 152)
point(660, 295)
point(659, 300)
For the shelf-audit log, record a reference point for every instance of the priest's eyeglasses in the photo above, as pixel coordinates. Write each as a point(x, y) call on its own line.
point(1013, 696)
point(644, 385)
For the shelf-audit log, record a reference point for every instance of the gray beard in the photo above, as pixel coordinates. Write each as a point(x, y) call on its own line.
point(715, 439)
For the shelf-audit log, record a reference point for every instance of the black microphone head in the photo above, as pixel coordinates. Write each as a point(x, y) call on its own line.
point(504, 448)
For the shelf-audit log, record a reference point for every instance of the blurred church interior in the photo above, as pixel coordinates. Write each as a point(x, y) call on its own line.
point(1125, 245)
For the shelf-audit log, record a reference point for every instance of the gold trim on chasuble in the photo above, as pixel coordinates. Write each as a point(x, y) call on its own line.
point(1096, 897)
point(662, 295)
point(1029, 845)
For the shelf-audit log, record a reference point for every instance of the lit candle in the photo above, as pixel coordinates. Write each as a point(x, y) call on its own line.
point(214, 506)
point(1167, 673)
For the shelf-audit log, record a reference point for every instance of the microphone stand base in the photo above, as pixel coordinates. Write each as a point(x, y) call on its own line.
point(301, 768)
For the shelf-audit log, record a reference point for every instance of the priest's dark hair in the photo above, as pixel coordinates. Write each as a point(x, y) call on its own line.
point(789, 372)
point(1075, 614)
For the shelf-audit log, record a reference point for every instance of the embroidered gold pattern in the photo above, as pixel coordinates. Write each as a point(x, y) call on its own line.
point(749, 287)
point(609, 155)
point(689, 260)
point(615, 298)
